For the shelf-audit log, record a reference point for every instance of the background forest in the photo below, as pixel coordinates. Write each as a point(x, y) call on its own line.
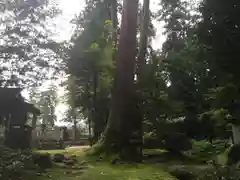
point(176, 96)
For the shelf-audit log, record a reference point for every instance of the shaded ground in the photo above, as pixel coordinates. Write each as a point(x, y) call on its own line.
point(93, 169)
point(158, 164)
point(103, 171)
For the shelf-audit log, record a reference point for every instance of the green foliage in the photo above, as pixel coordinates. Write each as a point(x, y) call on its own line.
point(219, 17)
point(220, 173)
point(90, 65)
point(206, 151)
point(203, 149)
point(179, 75)
point(46, 101)
point(179, 23)
point(21, 5)
point(26, 46)
point(15, 164)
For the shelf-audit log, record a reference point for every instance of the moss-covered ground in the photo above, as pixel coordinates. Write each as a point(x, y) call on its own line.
point(90, 168)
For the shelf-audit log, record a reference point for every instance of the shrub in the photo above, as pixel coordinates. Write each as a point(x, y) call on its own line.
point(204, 150)
point(13, 164)
point(230, 173)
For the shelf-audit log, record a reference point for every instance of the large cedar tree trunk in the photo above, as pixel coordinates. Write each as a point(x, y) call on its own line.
point(119, 128)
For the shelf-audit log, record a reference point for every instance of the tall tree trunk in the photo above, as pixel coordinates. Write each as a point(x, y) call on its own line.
point(114, 22)
point(45, 119)
point(114, 19)
point(119, 129)
point(143, 39)
point(74, 121)
point(90, 128)
point(142, 68)
point(34, 132)
point(236, 133)
point(74, 129)
point(89, 118)
point(72, 86)
point(96, 124)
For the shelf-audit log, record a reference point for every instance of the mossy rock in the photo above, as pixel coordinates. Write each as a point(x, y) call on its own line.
point(58, 158)
point(44, 161)
point(182, 173)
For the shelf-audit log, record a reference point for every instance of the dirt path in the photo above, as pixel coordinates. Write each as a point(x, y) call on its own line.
point(79, 147)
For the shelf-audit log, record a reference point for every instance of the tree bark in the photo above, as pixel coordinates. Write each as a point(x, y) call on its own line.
point(143, 39)
point(141, 70)
point(34, 132)
point(236, 134)
point(89, 112)
point(96, 124)
point(119, 128)
point(114, 22)
point(114, 19)
point(72, 86)
point(90, 129)
point(74, 129)
point(74, 121)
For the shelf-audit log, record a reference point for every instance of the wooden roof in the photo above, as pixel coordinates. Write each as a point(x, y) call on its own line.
point(11, 98)
point(9, 93)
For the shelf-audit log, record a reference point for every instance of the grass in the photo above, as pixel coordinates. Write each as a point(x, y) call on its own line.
point(104, 170)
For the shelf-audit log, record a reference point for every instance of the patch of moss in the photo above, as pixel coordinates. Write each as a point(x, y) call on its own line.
point(103, 170)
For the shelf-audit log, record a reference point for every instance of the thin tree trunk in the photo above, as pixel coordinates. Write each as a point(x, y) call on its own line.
point(89, 128)
point(74, 121)
point(119, 128)
point(114, 22)
point(45, 119)
point(236, 134)
point(73, 106)
point(34, 132)
point(74, 129)
point(89, 114)
point(96, 124)
point(142, 67)
point(143, 39)
point(114, 19)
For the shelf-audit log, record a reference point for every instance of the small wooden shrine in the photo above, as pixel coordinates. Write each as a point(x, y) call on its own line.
point(14, 114)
